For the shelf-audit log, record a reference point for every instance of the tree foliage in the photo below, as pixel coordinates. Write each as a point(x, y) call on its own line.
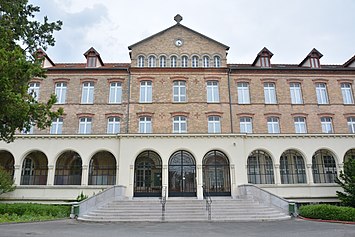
point(6, 181)
point(20, 37)
point(347, 181)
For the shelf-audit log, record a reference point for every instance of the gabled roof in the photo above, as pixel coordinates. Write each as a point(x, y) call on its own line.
point(350, 61)
point(313, 52)
point(175, 26)
point(93, 51)
point(40, 54)
point(264, 51)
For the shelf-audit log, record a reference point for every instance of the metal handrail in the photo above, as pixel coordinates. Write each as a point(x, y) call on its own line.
point(207, 197)
point(163, 202)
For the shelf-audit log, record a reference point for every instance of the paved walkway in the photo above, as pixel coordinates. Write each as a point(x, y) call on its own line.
point(290, 228)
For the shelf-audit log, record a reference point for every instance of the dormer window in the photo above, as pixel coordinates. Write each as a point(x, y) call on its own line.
point(91, 62)
point(264, 61)
point(314, 62)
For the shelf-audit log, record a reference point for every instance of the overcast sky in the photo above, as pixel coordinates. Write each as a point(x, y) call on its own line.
point(290, 29)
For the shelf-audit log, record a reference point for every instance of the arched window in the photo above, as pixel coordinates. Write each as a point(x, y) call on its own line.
point(217, 61)
point(68, 169)
point(206, 61)
point(34, 169)
point(7, 162)
point(195, 61)
point(173, 61)
point(151, 61)
point(323, 167)
point(260, 168)
point(184, 61)
point(162, 61)
point(140, 62)
point(292, 168)
point(102, 169)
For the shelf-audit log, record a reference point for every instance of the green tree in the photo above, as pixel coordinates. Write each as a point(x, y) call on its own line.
point(347, 181)
point(20, 37)
point(6, 181)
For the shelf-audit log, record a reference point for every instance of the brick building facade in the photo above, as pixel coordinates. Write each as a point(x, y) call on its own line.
point(179, 94)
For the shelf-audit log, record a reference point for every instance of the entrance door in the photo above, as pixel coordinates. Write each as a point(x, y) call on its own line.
point(216, 178)
point(147, 175)
point(182, 175)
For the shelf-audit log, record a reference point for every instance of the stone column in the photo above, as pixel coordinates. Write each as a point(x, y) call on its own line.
point(309, 174)
point(17, 175)
point(277, 174)
point(199, 182)
point(50, 175)
point(117, 175)
point(84, 175)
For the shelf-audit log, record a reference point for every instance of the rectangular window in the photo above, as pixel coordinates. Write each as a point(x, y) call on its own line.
point(322, 95)
point(179, 124)
point(91, 62)
point(214, 124)
point(296, 93)
point(273, 125)
point(269, 93)
point(179, 91)
point(347, 93)
point(327, 126)
point(57, 125)
point(113, 125)
point(264, 61)
point(145, 92)
point(30, 131)
point(246, 125)
point(33, 89)
point(314, 62)
point(61, 92)
point(212, 92)
point(243, 93)
point(87, 93)
point(85, 125)
point(115, 93)
point(145, 125)
point(300, 125)
point(351, 124)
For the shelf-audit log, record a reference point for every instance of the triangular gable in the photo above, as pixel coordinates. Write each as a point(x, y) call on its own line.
point(263, 52)
point(350, 62)
point(314, 53)
point(93, 52)
point(47, 62)
point(174, 26)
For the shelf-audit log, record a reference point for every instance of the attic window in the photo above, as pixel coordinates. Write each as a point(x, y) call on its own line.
point(91, 61)
point(264, 61)
point(314, 62)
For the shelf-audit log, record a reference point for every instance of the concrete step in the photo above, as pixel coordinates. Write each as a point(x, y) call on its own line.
point(222, 209)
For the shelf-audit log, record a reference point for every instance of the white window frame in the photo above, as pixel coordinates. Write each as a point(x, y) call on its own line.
point(264, 61)
point(270, 93)
point(296, 93)
point(85, 125)
point(322, 94)
point(327, 125)
point(173, 61)
point(184, 61)
point(300, 124)
point(152, 61)
point(212, 88)
point(179, 91)
point(57, 126)
point(162, 61)
point(145, 125)
point(195, 61)
point(92, 61)
point(246, 125)
point(113, 125)
point(115, 96)
point(314, 62)
point(33, 87)
point(217, 61)
point(346, 91)
point(61, 92)
point(31, 131)
point(87, 96)
point(273, 125)
point(179, 124)
point(140, 61)
point(146, 92)
point(214, 124)
point(351, 124)
point(206, 61)
point(243, 93)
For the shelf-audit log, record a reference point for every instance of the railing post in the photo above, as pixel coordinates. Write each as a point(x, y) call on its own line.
point(207, 197)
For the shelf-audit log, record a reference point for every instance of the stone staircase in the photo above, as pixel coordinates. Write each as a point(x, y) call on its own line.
point(184, 209)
